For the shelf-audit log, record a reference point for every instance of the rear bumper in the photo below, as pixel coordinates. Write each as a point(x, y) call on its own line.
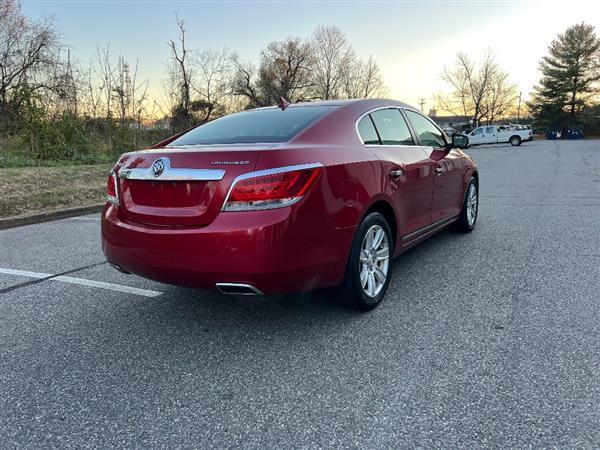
point(276, 251)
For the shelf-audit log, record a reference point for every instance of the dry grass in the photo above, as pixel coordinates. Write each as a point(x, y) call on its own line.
point(40, 189)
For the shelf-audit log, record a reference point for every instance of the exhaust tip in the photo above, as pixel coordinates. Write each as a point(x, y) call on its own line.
point(237, 289)
point(119, 268)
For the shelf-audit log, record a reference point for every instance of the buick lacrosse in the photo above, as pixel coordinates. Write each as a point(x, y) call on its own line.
point(289, 198)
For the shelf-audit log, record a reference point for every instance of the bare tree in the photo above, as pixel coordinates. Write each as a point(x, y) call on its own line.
point(179, 55)
point(106, 74)
point(363, 79)
point(60, 93)
point(332, 56)
point(244, 82)
point(212, 83)
point(122, 89)
point(90, 94)
point(27, 52)
point(284, 71)
point(480, 93)
point(500, 98)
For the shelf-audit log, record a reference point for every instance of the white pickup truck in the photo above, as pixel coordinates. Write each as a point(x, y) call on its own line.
point(497, 134)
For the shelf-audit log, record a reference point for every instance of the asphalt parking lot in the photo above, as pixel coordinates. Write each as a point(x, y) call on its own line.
point(486, 339)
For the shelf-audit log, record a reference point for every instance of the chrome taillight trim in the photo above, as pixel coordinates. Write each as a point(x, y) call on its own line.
point(113, 200)
point(169, 174)
point(263, 173)
point(260, 204)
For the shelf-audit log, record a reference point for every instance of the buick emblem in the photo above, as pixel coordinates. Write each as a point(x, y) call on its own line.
point(158, 167)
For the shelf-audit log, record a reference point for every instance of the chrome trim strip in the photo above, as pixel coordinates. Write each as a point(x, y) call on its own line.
point(255, 291)
point(114, 200)
point(428, 229)
point(170, 174)
point(262, 173)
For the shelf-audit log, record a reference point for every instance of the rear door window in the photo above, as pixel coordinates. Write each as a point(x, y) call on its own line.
point(392, 127)
point(367, 131)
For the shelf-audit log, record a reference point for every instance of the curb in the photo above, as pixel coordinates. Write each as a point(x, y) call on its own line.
point(65, 213)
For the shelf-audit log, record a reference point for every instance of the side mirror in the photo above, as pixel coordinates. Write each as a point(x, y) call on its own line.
point(459, 141)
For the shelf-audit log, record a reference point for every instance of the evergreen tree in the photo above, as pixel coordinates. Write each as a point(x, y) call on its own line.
point(570, 73)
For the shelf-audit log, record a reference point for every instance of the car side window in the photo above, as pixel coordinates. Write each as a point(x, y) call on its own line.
point(428, 133)
point(477, 131)
point(392, 127)
point(367, 131)
point(490, 130)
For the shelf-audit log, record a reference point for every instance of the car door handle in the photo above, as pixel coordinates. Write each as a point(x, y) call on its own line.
point(439, 170)
point(396, 173)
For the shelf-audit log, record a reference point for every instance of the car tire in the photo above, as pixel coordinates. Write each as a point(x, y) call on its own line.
point(470, 208)
point(515, 141)
point(363, 287)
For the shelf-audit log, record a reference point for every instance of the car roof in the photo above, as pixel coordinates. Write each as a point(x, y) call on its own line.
point(369, 103)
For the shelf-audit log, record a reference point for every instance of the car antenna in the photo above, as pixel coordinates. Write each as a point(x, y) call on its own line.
point(283, 103)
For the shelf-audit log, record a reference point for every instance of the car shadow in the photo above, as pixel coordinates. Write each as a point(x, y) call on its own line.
point(280, 311)
point(188, 325)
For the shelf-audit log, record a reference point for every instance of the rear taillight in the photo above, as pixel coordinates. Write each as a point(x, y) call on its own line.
point(270, 189)
point(112, 189)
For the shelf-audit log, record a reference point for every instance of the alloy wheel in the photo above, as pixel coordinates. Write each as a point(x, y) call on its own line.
point(374, 260)
point(472, 204)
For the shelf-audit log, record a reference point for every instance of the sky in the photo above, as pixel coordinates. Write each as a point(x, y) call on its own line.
point(412, 41)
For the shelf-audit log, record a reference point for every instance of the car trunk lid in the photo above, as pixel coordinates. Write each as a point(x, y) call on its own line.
point(180, 187)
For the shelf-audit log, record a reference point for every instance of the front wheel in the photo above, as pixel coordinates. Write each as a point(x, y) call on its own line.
point(369, 267)
point(515, 141)
point(468, 215)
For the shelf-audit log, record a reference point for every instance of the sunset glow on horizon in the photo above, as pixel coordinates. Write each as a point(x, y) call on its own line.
point(411, 41)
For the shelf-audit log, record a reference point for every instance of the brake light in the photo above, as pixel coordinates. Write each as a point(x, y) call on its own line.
point(272, 190)
point(112, 190)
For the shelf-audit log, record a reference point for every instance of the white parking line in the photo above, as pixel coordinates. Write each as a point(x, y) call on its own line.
point(83, 282)
point(24, 273)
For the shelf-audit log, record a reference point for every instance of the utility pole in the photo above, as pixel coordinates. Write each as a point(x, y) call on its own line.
point(519, 108)
point(422, 103)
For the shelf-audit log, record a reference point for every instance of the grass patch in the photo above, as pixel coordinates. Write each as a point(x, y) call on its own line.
point(40, 189)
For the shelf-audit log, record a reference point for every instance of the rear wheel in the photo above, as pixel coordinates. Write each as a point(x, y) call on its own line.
point(369, 267)
point(468, 214)
point(515, 140)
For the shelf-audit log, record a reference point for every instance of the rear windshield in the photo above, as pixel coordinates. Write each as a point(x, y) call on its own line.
point(260, 125)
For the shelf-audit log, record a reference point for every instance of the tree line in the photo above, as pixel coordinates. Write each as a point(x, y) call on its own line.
point(205, 84)
point(567, 95)
point(54, 107)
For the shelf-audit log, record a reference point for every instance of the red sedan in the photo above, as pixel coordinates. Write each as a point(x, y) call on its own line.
point(295, 198)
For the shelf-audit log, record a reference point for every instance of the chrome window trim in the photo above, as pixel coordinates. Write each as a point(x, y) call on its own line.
point(379, 108)
point(408, 124)
point(170, 174)
point(265, 172)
